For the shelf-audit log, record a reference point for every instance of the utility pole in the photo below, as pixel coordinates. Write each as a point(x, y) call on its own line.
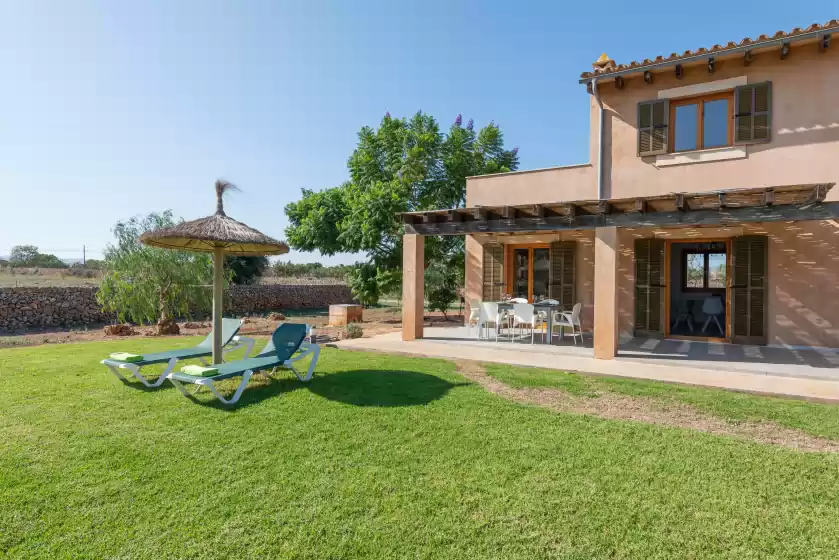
point(84, 256)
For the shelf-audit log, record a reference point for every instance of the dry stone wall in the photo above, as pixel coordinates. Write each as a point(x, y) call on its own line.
point(33, 308)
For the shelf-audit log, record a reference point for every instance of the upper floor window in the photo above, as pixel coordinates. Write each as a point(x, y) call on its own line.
point(741, 116)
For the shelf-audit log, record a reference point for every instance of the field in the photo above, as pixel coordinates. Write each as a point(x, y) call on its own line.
point(389, 457)
point(47, 277)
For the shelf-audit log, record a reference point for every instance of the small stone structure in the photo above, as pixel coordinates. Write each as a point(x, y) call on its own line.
point(33, 308)
point(344, 314)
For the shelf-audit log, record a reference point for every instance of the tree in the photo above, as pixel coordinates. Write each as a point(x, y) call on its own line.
point(28, 255)
point(144, 284)
point(441, 284)
point(22, 255)
point(246, 270)
point(406, 165)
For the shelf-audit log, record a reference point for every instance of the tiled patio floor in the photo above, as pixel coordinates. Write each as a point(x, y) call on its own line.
point(805, 373)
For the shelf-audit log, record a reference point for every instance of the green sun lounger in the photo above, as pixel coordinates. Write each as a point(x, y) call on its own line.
point(230, 342)
point(287, 345)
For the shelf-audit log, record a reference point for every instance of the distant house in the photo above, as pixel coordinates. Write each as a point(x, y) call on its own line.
point(707, 194)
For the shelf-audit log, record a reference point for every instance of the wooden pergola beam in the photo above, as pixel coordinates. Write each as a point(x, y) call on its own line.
point(640, 205)
point(508, 213)
point(724, 216)
point(479, 214)
point(454, 216)
point(604, 207)
point(680, 202)
point(769, 197)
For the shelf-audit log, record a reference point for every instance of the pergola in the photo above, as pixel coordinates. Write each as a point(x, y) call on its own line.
point(716, 208)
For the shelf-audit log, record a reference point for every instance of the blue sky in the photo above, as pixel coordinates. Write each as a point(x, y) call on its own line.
point(111, 109)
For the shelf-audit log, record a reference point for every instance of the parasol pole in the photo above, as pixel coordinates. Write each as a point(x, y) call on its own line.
point(218, 297)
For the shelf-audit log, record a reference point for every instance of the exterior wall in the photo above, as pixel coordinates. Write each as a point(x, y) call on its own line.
point(584, 265)
point(804, 145)
point(804, 138)
point(558, 184)
point(803, 273)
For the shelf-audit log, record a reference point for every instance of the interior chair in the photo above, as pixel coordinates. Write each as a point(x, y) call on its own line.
point(685, 313)
point(713, 308)
point(570, 319)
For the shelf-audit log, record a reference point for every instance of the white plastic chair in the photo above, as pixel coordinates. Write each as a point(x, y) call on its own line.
point(474, 315)
point(565, 319)
point(490, 314)
point(712, 307)
point(524, 314)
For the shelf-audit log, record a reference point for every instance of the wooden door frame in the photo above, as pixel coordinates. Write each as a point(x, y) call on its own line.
point(508, 264)
point(668, 245)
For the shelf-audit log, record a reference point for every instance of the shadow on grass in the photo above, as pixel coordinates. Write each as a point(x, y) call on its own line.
point(373, 387)
point(380, 388)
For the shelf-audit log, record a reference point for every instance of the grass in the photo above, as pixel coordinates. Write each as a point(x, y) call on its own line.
point(45, 278)
point(378, 457)
point(814, 418)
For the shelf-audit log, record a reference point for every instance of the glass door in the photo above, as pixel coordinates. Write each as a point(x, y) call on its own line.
point(529, 276)
point(541, 274)
point(521, 274)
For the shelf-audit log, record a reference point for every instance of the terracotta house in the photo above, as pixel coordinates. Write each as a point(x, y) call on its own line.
point(705, 210)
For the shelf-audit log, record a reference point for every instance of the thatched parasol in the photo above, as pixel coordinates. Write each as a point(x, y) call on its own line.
point(217, 234)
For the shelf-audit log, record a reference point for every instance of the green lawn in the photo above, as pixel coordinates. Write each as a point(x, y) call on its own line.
point(814, 418)
point(379, 457)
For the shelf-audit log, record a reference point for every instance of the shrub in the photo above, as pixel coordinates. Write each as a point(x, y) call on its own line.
point(353, 330)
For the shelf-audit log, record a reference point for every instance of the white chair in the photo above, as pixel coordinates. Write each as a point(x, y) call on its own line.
point(543, 313)
point(712, 307)
point(490, 314)
point(474, 315)
point(525, 315)
point(565, 319)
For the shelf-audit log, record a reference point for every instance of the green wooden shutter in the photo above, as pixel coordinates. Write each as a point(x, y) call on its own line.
point(493, 271)
point(653, 117)
point(748, 287)
point(563, 273)
point(649, 285)
point(753, 113)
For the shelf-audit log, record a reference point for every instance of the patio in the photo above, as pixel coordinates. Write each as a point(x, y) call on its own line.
point(760, 369)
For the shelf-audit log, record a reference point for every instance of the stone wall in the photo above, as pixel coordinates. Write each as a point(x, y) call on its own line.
point(27, 308)
point(33, 308)
point(274, 297)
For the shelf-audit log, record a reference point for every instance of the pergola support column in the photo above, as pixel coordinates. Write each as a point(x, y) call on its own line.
point(413, 286)
point(605, 293)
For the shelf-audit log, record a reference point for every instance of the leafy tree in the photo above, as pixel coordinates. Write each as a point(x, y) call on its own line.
point(246, 270)
point(316, 270)
point(144, 284)
point(405, 165)
point(22, 255)
point(28, 255)
point(47, 261)
point(441, 286)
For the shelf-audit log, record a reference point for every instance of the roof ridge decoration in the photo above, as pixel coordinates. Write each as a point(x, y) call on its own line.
point(608, 66)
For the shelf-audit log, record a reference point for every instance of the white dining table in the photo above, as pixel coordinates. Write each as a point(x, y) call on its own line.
point(549, 308)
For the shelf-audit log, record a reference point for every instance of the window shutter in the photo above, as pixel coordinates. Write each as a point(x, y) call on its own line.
point(563, 273)
point(748, 286)
point(649, 285)
point(493, 271)
point(753, 113)
point(653, 117)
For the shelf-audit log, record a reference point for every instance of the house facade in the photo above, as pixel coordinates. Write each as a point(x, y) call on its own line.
point(706, 210)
